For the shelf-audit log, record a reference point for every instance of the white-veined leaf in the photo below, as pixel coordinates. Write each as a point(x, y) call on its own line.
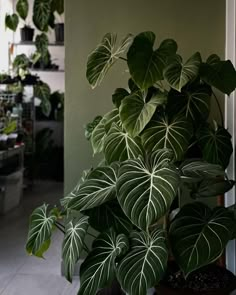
point(99, 187)
point(174, 134)
point(99, 268)
point(178, 74)
point(120, 146)
point(22, 8)
point(40, 230)
point(146, 190)
point(215, 144)
point(109, 214)
point(42, 91)
point(104, 56)
point(136, 112)
point(41, 14)
point(145, 263)
point(118, 96)
point(100, 131)
point(145, 64)
point(73, 242)
point(199, 235)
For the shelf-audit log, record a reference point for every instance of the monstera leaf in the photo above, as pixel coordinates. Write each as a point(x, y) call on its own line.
point(145, 191)
point(118, 96)
point(104, 56)
point(119, 146)
point(136, 112)
point(101, 218)
point(215, 144)
point(73, 242)
point(40, 230)
point(198, 235)
point(193, 102)
point(145, 263)
point(12, 21)
point(22, 8)
point(98, 188)
point(99, 268)
point(41, 14)
point(178, 74)
point(174, 134)
point(219, 74)
point(100, 131)
point(146, 65)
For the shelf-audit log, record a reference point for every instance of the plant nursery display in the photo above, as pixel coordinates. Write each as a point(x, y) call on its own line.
point(157, 143)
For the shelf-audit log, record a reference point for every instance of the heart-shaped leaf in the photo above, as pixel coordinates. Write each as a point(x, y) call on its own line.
point(73, 242)
point(193, 102)
point(118, 96)
point(41, 14)
point(57, 6)
point(199, 235)
point(12, 21)
point(146, 65)
point(119, 146)
point(219, 74)
point(99, 268)
point(41, 43)
point(22, 8)
point(46, 107)
point(145, 191)
point(42, 91)
point(215, 144)
point(100, 131)
point(136, 112)
point(109, 214)
point(174, 134)
point(40, 230)
point(145, 263)
point(178, 74)
point(91, 126)
point(213, 59)
point(98, 188)
point(104, 56)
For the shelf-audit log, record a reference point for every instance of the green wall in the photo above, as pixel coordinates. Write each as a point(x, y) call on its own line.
point(197, 25)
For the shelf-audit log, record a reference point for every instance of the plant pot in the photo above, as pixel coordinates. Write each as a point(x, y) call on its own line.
point(114, 289)
point(27, 34)
point(59, 33)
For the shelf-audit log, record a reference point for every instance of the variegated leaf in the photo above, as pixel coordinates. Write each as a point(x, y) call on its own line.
point(104, 56)
point(120, 146)
point(146, 190)
point(145, 264)
point(199, 235)
point(99, 268)
point(73, 242)
point(100, 132)
point(136, 112)
point(178, 74)
point(174, 134)
point(98, 188)
point(40, 230)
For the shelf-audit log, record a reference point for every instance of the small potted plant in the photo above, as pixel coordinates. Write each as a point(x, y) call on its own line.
point(158, 144)
point(57, 7)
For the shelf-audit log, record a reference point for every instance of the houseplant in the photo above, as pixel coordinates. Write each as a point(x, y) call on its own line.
point(57, 7)
point(157, 141)
point(12, 21)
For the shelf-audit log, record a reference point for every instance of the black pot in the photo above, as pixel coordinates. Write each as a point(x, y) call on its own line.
point(59, 33)
point(27, 34)
point(114, 289)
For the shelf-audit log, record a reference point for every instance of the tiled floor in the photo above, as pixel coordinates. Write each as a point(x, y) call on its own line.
point(19, 273)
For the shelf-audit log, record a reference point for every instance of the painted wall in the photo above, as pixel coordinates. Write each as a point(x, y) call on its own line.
point(195, 25)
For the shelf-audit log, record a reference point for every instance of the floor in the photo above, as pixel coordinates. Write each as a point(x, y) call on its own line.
point(19, 273)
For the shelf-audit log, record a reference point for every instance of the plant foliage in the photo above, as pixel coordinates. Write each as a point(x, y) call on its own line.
point(156, 142)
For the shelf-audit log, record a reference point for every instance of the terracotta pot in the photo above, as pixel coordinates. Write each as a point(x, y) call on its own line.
point(165, 290)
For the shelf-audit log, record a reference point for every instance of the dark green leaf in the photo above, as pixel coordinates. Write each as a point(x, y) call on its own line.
point(91, 126)
point(41, 14)
point(22, 8)
point(199, 235)
point(46, 107)
point(12, 21)
point(118, 96)
point(41, 43)
point(145, 264)
point(42, 91)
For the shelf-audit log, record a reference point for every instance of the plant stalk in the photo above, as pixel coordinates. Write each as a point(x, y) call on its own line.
point(60, 227)
point(122, 58)
point(218, 105)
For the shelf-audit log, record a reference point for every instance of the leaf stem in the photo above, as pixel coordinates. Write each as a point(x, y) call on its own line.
point(86, 249)
point(91, 235)
point(221, 113)
point(60, 227)
point(122, 58)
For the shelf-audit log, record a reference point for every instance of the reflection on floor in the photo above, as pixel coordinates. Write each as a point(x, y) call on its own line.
point(19, 273)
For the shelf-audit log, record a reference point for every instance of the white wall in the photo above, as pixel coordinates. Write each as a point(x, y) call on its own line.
point(196, 25)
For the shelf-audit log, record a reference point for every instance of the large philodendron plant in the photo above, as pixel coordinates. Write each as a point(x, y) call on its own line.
point(157, 143)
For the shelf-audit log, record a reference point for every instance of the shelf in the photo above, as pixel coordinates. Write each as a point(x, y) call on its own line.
point(47, 71)
point(33, 44)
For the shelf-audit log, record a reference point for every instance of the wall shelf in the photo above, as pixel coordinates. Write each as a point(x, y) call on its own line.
point(47, 71)
point(33, 44)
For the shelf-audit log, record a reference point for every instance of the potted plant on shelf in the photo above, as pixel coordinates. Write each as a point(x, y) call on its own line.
point(12, 21)
point(57, 7)
point(158, 142)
